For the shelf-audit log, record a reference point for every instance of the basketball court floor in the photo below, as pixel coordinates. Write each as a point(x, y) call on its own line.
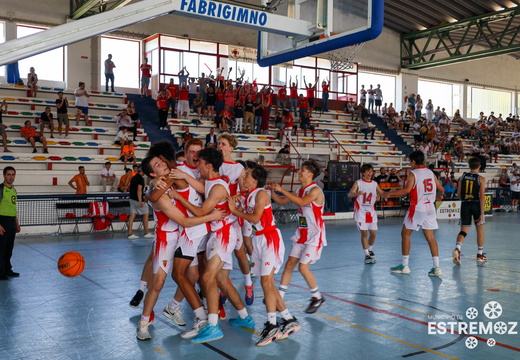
point(369, 312)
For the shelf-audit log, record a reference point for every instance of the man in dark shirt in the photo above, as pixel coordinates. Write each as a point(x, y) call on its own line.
point(383, 177)
point(63, 117)
point(305, 123)
point(46, 118)
point(137, 205)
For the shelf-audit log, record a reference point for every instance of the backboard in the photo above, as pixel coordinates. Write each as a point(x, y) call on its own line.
point(333, 23)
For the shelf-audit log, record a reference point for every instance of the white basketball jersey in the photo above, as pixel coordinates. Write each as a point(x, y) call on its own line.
point(193, 171)
point(230, 218)
point(232, 171)
point(425, 188)
point(364, 209)
point(311, 227)
point(164, 223)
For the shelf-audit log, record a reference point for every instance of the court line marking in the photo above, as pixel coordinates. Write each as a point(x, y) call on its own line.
point(401, 307)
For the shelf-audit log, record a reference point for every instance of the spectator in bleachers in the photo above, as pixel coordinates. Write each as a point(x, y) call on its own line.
point(134, 115)
point(311, 92)
point(437, 114)
point(198, 105)
point(493, 152)
point(192, 93)
point(82, 96)
point(3, 110)
point(305, 123)
point(303, 105)
point(171, 94)
point(378, 98)
point(108, 177)
point(284, 155)
point(450, 189)
point(382, 177)
point(293, 95)
point(62, 104)
point(128, 153)
point(186, 135)
point(365, 128)
point(325, 84)
point(80, 181)
point(162, 109)
point(239, 116)
point(109, 73)
point(259, 111)
point(289, 125)
point(325, 179)
point(281, 99)
point(124, 181)
point(418, 107)
point(371, 97)
point(429, 110)
point(362, 95)
point(350, 107)
point(121, 137)
point(29, 133)
point(137, 205)
point(146, 74)
point(46, 119)
point(514, 184)
point(514, 168)
point(226, 117)
point(32, 82)
point(503, 180)
point(249, 114)
point(394, 177)
point(211, 139)
point(411, 102)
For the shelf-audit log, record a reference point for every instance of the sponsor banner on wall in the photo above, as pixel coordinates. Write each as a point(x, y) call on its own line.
point(245, 54)
point(448, 209)
point(488, 206)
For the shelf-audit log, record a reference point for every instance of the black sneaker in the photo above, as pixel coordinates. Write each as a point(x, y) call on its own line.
point(315, 305)
point(372, 255)
point(11, 273)
point(288, 327)
point(136, 300)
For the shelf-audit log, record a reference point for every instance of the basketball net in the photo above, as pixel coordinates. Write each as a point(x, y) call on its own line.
point(343, 58)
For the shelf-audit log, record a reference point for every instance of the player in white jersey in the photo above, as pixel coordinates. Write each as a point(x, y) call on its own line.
point(234, 171)
point(268, 252)
point(310, 237)
point(168, 219)
point(365, 192)
point(221, 244)
point(422, 185)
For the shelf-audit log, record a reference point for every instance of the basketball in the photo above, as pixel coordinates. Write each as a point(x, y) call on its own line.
point(71, 264)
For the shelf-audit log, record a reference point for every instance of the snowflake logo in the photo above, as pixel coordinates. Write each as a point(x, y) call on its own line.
point(471, 342)
point(471, 313)
point(500, 327)
point(491, 342)
point(493, 310)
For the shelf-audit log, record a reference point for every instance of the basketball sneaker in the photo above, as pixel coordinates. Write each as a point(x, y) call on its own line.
point(250, 295)
point(152, 318)
point(288, 327)
point(435, 271)
point(315, 305)
point(194, 331)
point(270, 333)
point(133, 237)
point(246, 322)
point(149, 236)
point(456, 256)
point(369, 259)
point(208, 333)
point(142, 330)
point(221, 311)
point(481, 258)
point(175, 314)
point(223, 297)
point(372, 255)
point(136, 300)
point(401, 269)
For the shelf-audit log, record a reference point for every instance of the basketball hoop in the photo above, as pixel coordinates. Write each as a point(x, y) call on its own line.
point(343, 58)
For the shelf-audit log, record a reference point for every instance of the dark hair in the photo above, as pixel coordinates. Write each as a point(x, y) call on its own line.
point(243, 163)
point(258, 172)
point(212, 156)
point(26, 121)
point(366, 167)
point(417, 156)
point(7, 168)
point(474, 163)
point(164, 148)
point(313, 166)
point(108, 162)
point(80, 167)
point(147, 168)
point(47, 107)
point(285, 113)
point(178, 154)
point(81, 83)
point(128, 170)
point(60, 92)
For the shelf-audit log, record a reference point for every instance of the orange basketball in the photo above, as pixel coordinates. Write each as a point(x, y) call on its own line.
point(71, 264)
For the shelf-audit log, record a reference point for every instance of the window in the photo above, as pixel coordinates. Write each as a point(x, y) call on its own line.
point(48, 65)
point(2, 40)
point(125, 55)
point(387, 83)
point(489, 100)
point(442, 94)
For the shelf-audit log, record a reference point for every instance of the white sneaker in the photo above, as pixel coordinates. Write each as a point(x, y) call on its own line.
point(149, 236)
point(142, 330)
point(67, 137)
point(436, 271)
point(400, 269)
point(175, 314)
point(197, 327)
point(133, 236)
point(60, 136)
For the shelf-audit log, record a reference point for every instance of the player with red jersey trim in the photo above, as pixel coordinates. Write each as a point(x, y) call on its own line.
point(365, 192)
point(422, 185)
point(310, 237)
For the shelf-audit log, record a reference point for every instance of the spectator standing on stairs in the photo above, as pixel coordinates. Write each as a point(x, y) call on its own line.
point(146, 74)
point(109, 72)
point(80, 180)
point(162, 108)
point(82, 96)
point(62, 105)
point(3, 110)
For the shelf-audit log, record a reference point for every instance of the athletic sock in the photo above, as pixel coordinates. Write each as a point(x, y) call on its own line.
point(271, 317)
point(286, 314)
point(242, 313)
point(142, 285)
point(213, 319)
point(145, 318)
point(370, 247)
point(282, 290)
point(247, 280)
point(316, 293)
point(366, 251)
point(480, 250)
point(405, 259)
point(458, 246)
point(173, 304)
point(201, 313)
point(205, 302)
point(435, 261)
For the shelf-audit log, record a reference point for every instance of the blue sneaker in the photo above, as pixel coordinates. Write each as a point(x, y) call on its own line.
point(247, 322)
point(208, 333)
point(250, 295)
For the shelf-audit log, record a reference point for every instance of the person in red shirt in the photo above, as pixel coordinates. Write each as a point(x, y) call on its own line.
point(226, 117)
point(146, 74)
point(303, 104)
point(289, 124)
point(311, 93)
point(183, 108)
point(171, 94)
point(293, 95)
point(162, 107)
point(281, 101)
point(29, 133)
point(325, 95)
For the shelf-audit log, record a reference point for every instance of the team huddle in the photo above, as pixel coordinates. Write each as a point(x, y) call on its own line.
point(209, 207)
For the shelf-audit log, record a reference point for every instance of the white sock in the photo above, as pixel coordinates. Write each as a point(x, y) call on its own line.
point(480, 250)
point(142, 285)
point(370, 247)
point(435, 261)
point(458, 246)
point(173, 304)
point(282, 289)
point(247, 280)
point(316, 293)
point(201, 313)
point(205, 302)
point(213, 319)
point(366, 251)
point(286, 314)
point(243, 313)
point(271, 317)
point(145, 318)
point(405, 259)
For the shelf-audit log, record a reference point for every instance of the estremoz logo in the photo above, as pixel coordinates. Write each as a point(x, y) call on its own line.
point(492, 310)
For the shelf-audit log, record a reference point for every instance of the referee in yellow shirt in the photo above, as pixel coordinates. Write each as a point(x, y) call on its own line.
point(9, 225)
